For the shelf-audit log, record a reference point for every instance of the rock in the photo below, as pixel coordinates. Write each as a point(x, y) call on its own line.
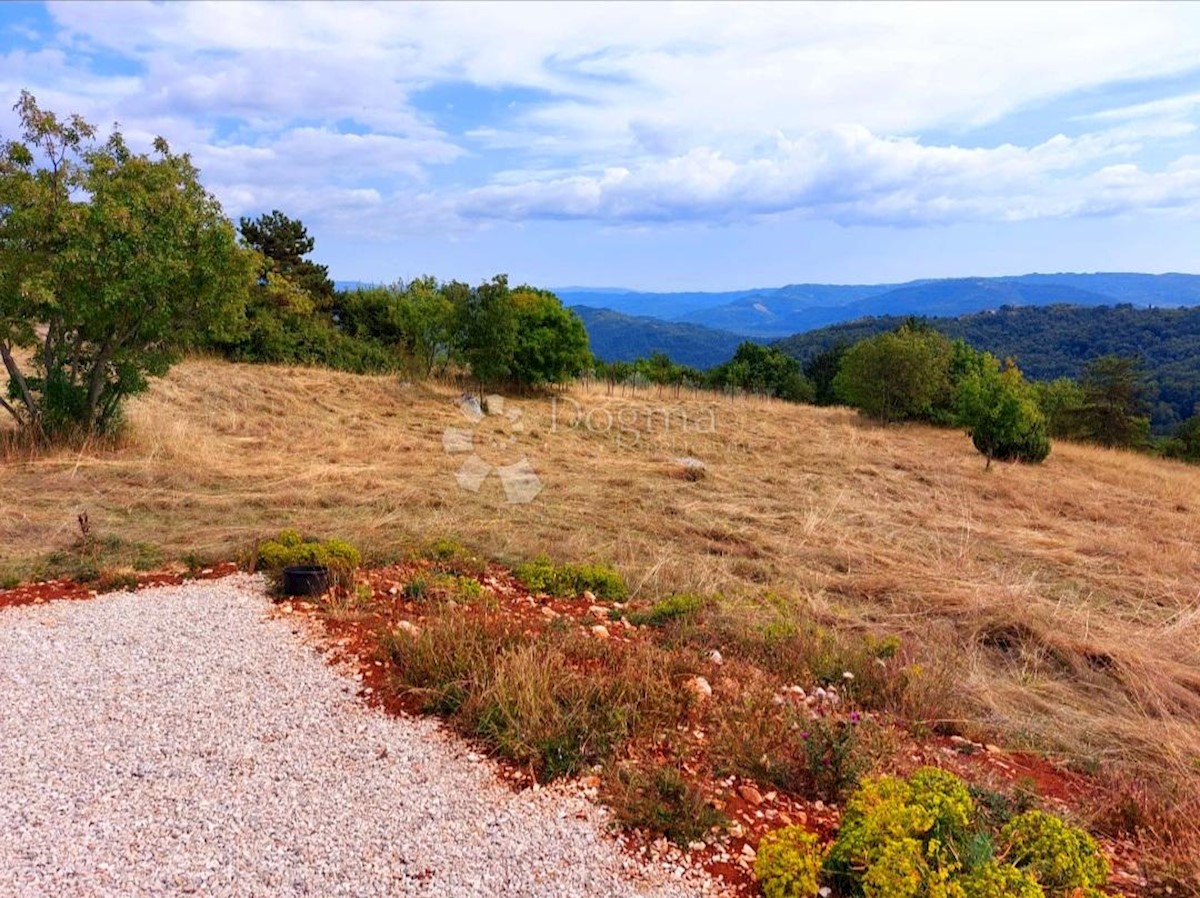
point(598, 611)
point(750, 795)
point(715, 657)
point(589, 596)
point(699, 687)
point(547, 611)
point(600, 631)
point(407, 626)
point(748, 851)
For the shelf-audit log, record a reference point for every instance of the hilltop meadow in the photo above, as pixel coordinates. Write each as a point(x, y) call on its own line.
point(1051, 606)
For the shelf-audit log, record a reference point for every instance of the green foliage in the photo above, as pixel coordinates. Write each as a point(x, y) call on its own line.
point(660, 799)
point(822, 370)
point(413, 322)
point(111, 264)
point(666, 610)
point(901, 837)
point(1001, 414)
point(282, 244)
point(765, 371)
point(570, 580)
point(1114, 403)
point(486, 328)
point(551, 345)
point(1062, 858)
point(1184, 443)
point(833, 757)
point(788, 863)
point(1060, 401)
point(290, 548)
point(1056, 342)
point(923, 836)
point(898, 376)
point(995, 880)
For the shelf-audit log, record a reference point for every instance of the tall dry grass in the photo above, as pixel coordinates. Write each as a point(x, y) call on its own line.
point(1063, 599)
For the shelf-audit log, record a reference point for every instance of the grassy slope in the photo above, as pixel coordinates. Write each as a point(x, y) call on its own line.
point(1061, 599)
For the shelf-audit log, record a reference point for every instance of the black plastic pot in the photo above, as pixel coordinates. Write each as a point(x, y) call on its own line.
point(305, 580)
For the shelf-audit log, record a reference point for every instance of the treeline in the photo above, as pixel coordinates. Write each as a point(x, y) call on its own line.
point(754, 370)
point(917, 373)
point(495, 334)
point(1059, 341)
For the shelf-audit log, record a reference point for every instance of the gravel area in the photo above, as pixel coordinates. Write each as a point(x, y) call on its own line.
point(181, 740)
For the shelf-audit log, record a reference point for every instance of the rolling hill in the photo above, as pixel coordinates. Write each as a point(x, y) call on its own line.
point(616, 337)
point(781, 311)
point(1057, 341)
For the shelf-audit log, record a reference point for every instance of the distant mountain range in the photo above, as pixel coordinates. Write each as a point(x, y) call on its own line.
point(778, 312)
point(616, 337)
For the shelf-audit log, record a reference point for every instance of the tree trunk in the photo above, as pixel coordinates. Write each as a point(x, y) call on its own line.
point(19, 379)
point(96, 381)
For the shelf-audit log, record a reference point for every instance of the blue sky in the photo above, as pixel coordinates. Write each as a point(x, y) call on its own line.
point(660, 145)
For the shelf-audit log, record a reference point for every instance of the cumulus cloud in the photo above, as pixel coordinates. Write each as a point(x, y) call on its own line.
point(639, 112)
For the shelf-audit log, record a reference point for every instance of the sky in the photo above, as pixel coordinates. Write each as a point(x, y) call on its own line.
point(659, 146)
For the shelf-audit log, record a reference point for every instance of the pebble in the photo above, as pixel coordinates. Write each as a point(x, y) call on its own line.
point(184, 739)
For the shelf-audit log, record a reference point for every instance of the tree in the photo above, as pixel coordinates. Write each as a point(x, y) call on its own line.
point(897, 376)
point(283, 243)
point(485, 328)
point(821, 370)
point(1184, 443)
point(111, 264)
point(764, 370)
point(1113, 412)
point(1061, 401)
point(999, 411)
point(551, 343)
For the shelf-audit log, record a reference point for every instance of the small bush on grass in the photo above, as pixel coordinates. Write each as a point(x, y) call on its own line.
point(290, 548)
point(923, 836)
point(449, 556)
point(569, 580)
point(788, 863)
point(671, 608)
point(658, 798)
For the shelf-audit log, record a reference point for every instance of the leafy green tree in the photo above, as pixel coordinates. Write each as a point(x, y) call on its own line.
point(551, 343)
point(766, 371)
point(1001, 415)
point(486, 328)
point(414, 321)
point(111, 264)
point(1113, 411)
point(283, 243)
point(897, 376)
point(1184, 443)
point(821, 370)
point(1061, 401)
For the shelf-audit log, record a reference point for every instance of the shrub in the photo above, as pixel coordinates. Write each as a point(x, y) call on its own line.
point(290, 548)
point(1062, 858)
point(788, 863)
point(923, 837)
point(661, 800)
point(663, 612)
point(1001, 413)
point(569, 580)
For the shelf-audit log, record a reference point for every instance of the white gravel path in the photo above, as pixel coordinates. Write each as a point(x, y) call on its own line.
point(179, 741)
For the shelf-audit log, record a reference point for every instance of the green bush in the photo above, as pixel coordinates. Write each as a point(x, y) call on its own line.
point(1062, 858)
point(290, 548)
point(788, 863)
point(923, 836)
point(570, 580)
point(663, 612)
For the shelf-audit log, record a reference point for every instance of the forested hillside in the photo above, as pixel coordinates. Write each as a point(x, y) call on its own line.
point(1057, 341)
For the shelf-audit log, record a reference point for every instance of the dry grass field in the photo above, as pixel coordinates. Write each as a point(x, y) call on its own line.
point(1054, 606)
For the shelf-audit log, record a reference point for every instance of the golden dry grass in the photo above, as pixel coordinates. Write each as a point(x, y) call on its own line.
point(1063, 599)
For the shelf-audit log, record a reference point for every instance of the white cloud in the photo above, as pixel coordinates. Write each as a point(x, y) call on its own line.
point(705, 111)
